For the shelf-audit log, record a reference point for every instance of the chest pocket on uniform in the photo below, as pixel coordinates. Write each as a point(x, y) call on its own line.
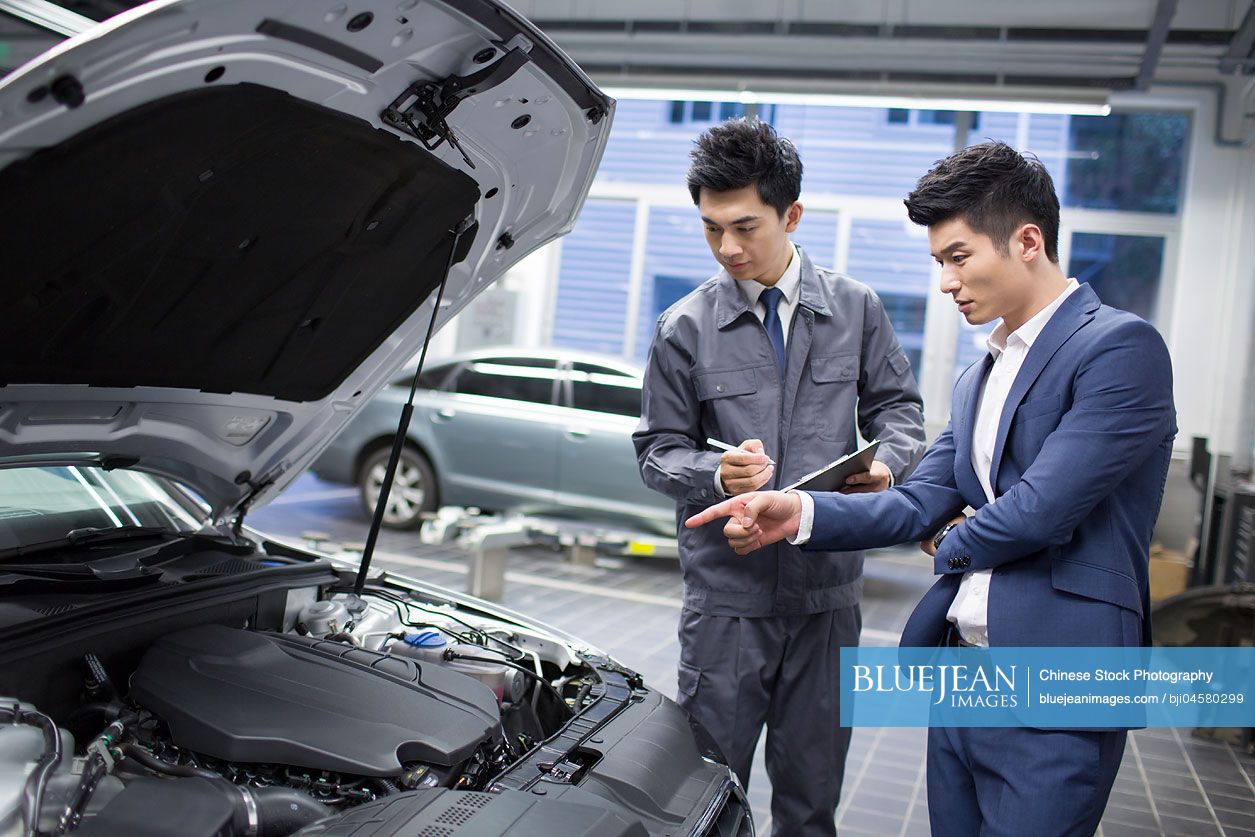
point(834, 369)
point(729, 397)
point(724, 384)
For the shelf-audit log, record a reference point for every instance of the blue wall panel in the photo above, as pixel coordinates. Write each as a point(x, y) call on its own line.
point(676, 261)
point(645, 147)
point(856, 151)
point(886, 256)
point(817, 235)
point(894, 261)
point(591, 308)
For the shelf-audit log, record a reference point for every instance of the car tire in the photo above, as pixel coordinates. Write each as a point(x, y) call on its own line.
point(413, 488)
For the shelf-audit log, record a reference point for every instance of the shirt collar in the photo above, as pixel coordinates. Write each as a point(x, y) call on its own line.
point(789, 284)
point(1027, 333)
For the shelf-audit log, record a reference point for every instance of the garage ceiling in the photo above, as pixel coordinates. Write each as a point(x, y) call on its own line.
point(1074, 50)
point(1070, 50)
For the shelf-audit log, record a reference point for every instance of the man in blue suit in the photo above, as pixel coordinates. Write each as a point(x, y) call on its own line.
point(1059, 440)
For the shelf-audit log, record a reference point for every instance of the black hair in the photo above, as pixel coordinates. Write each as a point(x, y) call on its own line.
point(994, 189)
point(740, 152)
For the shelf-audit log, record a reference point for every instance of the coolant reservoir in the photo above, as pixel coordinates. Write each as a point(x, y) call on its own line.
point(431, 645)
point(427, 645)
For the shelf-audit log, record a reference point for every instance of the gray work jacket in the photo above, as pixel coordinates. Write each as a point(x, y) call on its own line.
point(712, 372)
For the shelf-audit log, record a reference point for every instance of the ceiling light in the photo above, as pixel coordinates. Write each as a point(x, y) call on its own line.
point(1093, 107)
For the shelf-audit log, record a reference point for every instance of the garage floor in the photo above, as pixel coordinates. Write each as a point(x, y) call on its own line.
point(1170, 782)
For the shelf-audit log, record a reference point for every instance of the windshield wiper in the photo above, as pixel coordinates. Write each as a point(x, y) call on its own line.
point(96, 534)
point(91, 535)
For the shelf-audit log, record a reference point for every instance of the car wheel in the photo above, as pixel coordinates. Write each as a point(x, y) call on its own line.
point(413, 488)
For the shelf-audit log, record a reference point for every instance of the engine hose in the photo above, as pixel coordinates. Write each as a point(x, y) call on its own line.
point(259, 812)
point(47, 763)
point(582, 695)
point(282, 811)
point(93, 771)
point(110, 711)
point(139, 754)
point(99, 764)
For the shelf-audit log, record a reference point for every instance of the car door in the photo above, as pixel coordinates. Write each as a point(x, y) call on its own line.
point(596, 460)
point(497, 433)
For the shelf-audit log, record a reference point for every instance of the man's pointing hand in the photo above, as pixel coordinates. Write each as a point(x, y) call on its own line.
point(756, 519)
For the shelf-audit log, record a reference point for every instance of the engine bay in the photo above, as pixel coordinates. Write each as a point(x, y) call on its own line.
point(247, 696)
point(317, 702)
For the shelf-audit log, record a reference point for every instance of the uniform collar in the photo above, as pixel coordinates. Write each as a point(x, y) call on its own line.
point(789, 284)
point(732, 302)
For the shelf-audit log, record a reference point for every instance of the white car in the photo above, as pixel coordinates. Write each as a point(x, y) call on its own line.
point(226, 225)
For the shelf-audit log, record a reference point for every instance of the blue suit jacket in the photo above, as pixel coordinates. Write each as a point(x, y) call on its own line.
point(1078, 473)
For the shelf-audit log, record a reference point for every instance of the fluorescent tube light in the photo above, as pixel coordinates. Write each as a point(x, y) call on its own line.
point(47, 15)
point(867, 100)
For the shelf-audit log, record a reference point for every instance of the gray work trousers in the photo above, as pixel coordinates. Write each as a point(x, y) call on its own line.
point(737, 673)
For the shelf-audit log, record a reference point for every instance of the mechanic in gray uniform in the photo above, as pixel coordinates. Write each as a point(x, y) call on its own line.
point(782, 358)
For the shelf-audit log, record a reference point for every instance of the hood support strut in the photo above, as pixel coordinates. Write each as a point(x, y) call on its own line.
point(407, 413)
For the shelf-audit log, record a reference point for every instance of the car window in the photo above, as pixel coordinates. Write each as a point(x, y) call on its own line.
point(517, 379)
point(432, 377)
point(45, 503)
point(604, 390)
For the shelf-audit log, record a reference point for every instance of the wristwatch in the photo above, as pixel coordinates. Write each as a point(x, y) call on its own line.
point(945, 530)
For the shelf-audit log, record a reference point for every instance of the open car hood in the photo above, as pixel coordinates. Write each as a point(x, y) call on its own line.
point(224, 229)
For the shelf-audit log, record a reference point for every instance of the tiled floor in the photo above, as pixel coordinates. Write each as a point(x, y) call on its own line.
point(1170, 783)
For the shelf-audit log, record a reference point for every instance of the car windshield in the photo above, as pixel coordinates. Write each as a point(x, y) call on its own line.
point(45, 504)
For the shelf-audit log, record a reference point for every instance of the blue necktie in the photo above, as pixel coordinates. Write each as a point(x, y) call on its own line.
point(771, 321)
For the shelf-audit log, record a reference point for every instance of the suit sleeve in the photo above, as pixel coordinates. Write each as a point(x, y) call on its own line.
point(909, 512)
point(1121, 412)
point(668, 439)
point(889, 404)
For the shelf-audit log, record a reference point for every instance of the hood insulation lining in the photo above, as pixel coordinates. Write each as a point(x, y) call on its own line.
point(228, 239)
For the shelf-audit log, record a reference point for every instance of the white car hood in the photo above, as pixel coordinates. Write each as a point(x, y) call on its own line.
point(217, 248)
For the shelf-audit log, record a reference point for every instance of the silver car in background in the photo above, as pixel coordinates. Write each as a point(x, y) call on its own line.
point(531, 430)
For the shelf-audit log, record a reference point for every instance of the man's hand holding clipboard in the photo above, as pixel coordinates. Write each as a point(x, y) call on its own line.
point(835, 476)
point(760, 518)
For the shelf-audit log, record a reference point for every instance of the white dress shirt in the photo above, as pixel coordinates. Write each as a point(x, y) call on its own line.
point(970, 609)
point(790, 284)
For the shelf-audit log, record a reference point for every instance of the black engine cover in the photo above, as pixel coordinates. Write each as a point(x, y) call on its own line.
point(250, 696)
point(439, 812)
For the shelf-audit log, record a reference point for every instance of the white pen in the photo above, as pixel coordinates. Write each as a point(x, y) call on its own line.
point(715, 443)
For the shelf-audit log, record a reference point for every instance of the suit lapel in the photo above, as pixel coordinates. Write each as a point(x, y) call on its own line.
point(964, 418)
point(1076, 311)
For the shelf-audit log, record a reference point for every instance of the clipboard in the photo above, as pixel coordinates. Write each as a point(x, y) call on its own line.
point(832, 476)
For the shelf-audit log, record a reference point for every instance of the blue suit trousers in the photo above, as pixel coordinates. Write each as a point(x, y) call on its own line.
point(994, 782)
